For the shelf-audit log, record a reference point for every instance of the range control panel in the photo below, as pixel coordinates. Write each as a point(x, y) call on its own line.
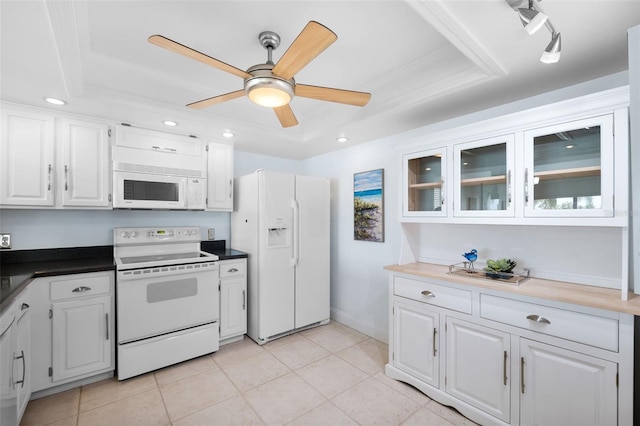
point(124, 236)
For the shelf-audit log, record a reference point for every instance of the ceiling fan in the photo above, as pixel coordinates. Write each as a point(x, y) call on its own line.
point(273, 85)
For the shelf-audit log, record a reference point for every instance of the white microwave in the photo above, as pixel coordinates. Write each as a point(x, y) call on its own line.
point(135, 190)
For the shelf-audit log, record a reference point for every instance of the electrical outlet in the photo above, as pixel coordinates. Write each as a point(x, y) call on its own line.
point(5, 241)
point(211, 234)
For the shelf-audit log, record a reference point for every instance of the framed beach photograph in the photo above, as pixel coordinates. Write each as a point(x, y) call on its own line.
point(368, 206)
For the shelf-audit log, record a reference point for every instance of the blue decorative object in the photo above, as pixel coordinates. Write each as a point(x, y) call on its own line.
point(471, 256)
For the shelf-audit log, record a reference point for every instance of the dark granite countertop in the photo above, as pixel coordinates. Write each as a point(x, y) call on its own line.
point(19, 267)
point(218, 247)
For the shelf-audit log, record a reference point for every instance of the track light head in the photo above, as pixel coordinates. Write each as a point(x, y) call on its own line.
point(551, 54)
point(532, 19)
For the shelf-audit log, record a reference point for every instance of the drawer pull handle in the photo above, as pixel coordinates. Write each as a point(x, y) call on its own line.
point(538, 318)
point(24, 306)
point(428, 294)
point(80, 289)
point(233, 270)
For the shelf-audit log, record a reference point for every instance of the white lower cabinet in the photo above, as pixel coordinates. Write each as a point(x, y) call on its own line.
point(503, 359)
point(72, 335)
point(564, 388)
point(415, 347)
point(81, 337)
point(477, 367)
point(22, 355)
point(233, 299)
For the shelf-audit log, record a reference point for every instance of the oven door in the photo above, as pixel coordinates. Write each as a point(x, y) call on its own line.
point(150, 304)
point(148, 191)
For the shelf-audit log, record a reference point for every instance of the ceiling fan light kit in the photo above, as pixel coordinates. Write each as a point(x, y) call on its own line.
point(272, 85)
point(532, 18)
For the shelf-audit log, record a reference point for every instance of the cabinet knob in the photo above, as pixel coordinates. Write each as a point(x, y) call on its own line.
point(538, 318)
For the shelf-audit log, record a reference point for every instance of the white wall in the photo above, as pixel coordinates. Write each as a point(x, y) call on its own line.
point(358, 282)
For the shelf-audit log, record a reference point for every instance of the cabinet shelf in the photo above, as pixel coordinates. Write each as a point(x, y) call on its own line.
point(569, 173)
point(426, 185)
point(488, 180)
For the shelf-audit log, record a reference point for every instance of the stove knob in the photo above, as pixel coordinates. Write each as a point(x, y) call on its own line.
point(134, 234)
point(124, 234)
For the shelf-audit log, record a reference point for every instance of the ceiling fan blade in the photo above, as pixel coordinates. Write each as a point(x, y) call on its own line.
point(183, 50)
point(216, 99)
point(341, 96)
point(312, 41)
point(286, 116)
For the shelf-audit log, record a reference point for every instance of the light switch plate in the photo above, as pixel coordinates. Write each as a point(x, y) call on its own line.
point(211, 234)
point(5, 241)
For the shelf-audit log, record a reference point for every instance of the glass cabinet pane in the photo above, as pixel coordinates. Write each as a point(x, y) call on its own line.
point(425, 184)
point(567, 170)
point(484, 178)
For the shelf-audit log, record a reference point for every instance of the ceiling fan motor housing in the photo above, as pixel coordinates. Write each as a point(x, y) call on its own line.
point(263, 79)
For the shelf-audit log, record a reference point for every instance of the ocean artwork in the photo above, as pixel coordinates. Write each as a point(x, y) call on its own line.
point(368, 206)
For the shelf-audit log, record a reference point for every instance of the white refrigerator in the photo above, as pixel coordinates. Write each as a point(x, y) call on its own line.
point(282, 222)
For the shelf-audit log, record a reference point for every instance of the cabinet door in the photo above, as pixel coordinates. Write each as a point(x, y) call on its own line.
point(81, 337)
point(483, 172)
point(22, 359)
point(564, 388)
point(233, 307)
point(415, 345)
point(220, 176)
point(424, 180)
point(84, 164)
point(26, 159)
point(477, 366)
point(569, 169)
point(8, 399)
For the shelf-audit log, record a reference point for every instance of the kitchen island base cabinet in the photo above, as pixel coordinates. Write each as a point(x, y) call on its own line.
point(468, 347)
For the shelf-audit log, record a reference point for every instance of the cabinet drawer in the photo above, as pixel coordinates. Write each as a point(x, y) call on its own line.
point(233, 268)
point(433, 294)
point(80, 287)
point(582, 328)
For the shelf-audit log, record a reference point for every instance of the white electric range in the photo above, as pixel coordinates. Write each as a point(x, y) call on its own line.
point(167, 298)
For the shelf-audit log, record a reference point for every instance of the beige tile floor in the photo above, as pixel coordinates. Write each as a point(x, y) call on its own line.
point(329, 375)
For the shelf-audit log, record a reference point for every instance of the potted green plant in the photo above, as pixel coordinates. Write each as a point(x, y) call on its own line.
point(500, 268)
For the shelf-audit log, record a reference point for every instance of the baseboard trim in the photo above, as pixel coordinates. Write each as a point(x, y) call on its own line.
point(363, 327)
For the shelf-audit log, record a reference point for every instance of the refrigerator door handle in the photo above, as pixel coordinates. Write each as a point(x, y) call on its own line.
point(296, 230)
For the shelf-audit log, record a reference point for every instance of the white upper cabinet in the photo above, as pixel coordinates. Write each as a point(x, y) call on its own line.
point(483, 173)
point(154, 140)
point(84, 164)
point(424, 174)
point(27, 158)
point(564, 164)
point(50, 162)
point(569, 169)
point(220, 176)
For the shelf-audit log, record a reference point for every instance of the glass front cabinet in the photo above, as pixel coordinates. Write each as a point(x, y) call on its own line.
point(569, 169)
point(483, 178)
point(425, 183)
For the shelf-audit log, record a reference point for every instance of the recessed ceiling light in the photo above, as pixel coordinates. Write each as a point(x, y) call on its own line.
point(170, 123)
point(342, 139)
point(227, 134)
point(55, 101)
point(428, 169)
point(569, 146)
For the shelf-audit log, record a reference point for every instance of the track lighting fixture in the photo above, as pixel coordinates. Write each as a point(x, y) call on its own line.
point(533, 19)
